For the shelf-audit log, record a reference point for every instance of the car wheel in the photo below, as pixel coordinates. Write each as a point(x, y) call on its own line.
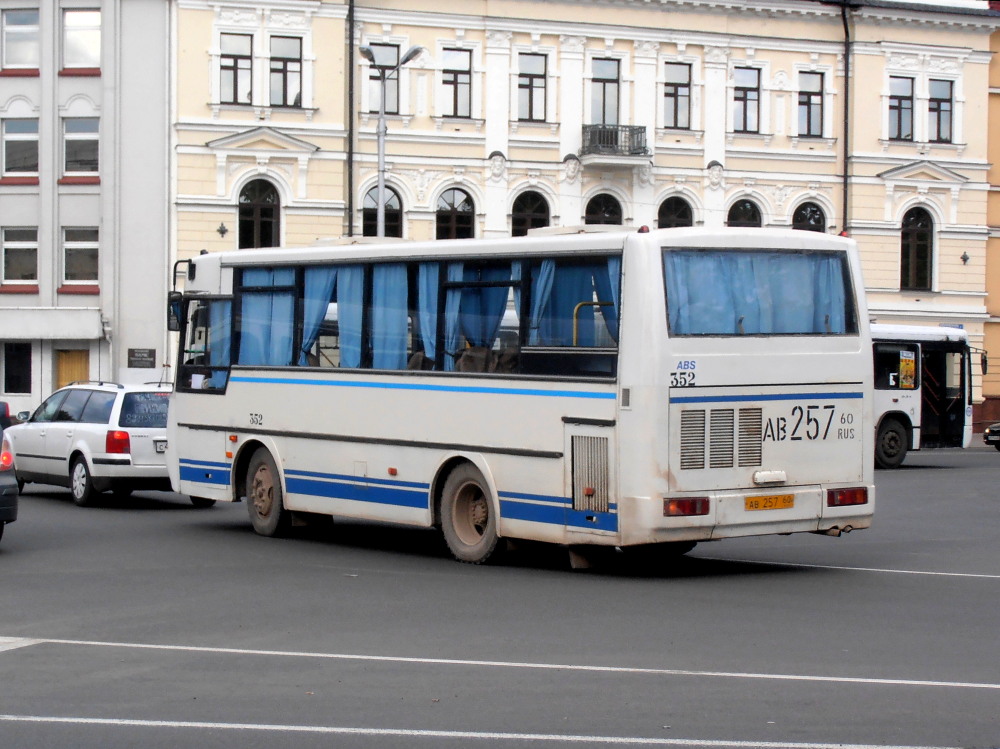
point(468, 522)
point(997, 445)
point(80, 483)
point(890, 444)
point(265, 501)
point(202, 501)
point(2, 526)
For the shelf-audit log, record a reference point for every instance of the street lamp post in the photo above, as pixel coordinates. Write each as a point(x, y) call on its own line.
point(383, 75)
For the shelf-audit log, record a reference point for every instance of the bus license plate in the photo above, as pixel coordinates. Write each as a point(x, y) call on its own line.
point(161, 445)
point(770, 502)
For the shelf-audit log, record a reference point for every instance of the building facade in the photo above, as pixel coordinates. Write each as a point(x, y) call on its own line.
point(84, 190)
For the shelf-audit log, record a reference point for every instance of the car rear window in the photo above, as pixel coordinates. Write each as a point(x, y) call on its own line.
point(144, 410)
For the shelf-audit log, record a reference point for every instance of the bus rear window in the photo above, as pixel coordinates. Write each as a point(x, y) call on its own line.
point(731, 292)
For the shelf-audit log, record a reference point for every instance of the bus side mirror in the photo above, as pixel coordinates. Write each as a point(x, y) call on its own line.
point(983, 362)
point(174, 310)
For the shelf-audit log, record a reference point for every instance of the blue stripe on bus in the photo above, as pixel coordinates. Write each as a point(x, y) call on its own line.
point(362, 479)
point(384, 495)
point(556, 515)
point(758, 397)
point(479, 390)
point(218, 477)
point(203, 463)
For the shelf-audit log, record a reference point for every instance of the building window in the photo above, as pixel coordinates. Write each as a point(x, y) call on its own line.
point(21, 46)
point(260, 215)
point(20, 255)
point(530, 211)
point(677, 96)
point(744, 213)
point(236, 66)
point(604, 92)
point(80, 144)
point(809, 217)
point(17, 368)
point(20, 147)
point(916, 244)
point(531, 77)
point(811, 105)
point(674, 212)
point(286, 71)
point(603, 209)
point(81, 38)
point(386, 60)
point(393, 214)
point(940, 108)
point(456, 215)
point(81, 253)
point(457, 80)
point(900, 108)
point(746, 100)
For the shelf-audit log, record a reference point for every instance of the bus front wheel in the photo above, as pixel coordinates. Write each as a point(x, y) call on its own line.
point(890, 444)
point(265, 501)
point(468, 522)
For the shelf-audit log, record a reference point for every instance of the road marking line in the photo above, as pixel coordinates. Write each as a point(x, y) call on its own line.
point(853, 569)
point(466, 735)
point(12, 643)
point(534, 666)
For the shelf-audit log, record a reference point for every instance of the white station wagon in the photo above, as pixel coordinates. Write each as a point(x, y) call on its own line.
point(95, 437)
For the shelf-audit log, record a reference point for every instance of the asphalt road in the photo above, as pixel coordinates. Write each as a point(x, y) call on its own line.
point(154, 624)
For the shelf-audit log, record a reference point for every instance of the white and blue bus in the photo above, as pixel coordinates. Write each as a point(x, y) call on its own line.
point(626, 388)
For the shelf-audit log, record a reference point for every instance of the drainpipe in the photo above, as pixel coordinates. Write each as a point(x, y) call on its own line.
point(350, 118)
point(845, 188)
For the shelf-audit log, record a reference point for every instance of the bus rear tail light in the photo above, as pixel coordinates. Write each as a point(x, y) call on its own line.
point(117, 442)
point(685, 507)
point(847, 497)
point(6, 456)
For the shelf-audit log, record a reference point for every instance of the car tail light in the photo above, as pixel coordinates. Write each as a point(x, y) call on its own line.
point(685, 507)
point(6, 456)
point(117, 442)
point(845, 497)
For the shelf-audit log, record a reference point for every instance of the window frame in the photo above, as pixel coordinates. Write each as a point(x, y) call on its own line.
point(375, 87)
point(70, 32)
point(746, 102)
point(456, 80)
point(81, 245)
point(29, 30)
point(600, 86)
point(676, 98)
point(6, 171)
point(810, 106)
point(534, 86)
point(230, 68)
point(393, 213)
point(22, 373)
point(83, 136)
point(7, 244)
point(285, 72)
point(916, 250)
point(940, 111)
point(901, 110)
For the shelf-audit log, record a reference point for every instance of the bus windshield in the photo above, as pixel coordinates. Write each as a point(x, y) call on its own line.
point(727, 292)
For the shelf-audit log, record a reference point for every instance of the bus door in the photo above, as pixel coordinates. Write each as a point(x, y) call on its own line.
point(945, 394)
point(898, 382)
point(589, 477)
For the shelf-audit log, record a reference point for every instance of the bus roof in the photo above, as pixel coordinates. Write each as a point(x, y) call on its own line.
point(891, 332)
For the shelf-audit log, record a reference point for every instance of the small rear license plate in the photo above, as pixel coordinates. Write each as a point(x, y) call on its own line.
point(161, 446)
point(770, 502)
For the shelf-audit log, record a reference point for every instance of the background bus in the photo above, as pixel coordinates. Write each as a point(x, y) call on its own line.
point(923, 390)
point(617, 388)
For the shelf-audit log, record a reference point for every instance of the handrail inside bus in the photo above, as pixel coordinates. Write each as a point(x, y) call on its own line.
point(576, 316)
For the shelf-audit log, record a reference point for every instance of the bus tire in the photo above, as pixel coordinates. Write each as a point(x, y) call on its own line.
point(265, 500)
point(890, 444)
point(468, 522)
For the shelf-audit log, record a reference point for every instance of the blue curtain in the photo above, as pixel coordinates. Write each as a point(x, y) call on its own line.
point(452, 329)
point(219, 341)
point(267, 319)
point(319, 283)
point(755, 293)
point(389, 316)
point(482, 307)
point(542, 278)
point(350, 306)
point(427, 301)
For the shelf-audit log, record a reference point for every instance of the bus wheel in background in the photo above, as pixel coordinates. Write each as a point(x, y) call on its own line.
point(890, 444)
point(468, 522)
point(80, 483)
point(265, 502)
point(202, 501)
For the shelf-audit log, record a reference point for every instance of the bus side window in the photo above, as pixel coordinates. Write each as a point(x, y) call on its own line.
point(895, 367)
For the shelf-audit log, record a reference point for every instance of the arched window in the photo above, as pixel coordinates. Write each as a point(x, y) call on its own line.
point(603, 209)
point(260, 215)
point(744, 213)
point(456, 215)
point(530, 211)
point(809, 217)
point(674, 212)
point(393, 214)
point(917, 247)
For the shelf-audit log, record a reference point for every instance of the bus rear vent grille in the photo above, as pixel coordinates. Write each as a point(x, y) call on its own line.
point(722, 438)
point(590, 473)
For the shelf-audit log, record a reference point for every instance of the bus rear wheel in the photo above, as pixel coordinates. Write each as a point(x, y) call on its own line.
point(265, 500)
point(468, 522)
point(890, 444)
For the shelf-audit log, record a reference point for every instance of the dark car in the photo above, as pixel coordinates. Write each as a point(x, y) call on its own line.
point(992, 435)
point(8, 487)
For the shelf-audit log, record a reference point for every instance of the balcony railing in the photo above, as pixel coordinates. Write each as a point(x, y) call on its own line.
point(614, 140)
